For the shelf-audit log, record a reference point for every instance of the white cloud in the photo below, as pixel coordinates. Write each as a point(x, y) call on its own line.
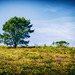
point(56, 29)
point(60, 32)
point(52, 10)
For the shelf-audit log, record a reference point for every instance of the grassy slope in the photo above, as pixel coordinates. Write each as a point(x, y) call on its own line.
point(37, 61)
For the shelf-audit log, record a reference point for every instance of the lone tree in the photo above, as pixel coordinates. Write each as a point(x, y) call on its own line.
point(16, 30)
point(61, 43)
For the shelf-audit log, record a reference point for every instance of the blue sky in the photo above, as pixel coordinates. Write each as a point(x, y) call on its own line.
point(52, 20)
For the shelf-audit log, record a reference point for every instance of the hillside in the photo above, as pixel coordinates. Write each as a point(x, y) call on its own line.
point(40, 60)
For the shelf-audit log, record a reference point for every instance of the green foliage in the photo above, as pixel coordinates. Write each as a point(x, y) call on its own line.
point(61, 43)
point(16, 30)
point(0, 38)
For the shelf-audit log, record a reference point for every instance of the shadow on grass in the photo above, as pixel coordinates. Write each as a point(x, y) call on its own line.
point(27, 47)
point(9, 47)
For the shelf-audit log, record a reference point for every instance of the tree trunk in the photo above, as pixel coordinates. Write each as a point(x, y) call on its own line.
point(15, 45)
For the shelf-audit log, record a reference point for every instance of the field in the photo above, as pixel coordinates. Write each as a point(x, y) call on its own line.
point(40, 60)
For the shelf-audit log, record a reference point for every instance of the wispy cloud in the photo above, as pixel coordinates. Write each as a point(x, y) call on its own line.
point(61, 28)
point(52, 10)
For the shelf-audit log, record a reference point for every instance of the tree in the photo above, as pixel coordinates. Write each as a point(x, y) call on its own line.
point(16, 30)
point(61, 43)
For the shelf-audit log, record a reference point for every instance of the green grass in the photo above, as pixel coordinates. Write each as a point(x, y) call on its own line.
point(40, 60)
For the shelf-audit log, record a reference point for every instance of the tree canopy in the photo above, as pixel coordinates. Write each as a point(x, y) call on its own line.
point(61, 43)
point(16, 30)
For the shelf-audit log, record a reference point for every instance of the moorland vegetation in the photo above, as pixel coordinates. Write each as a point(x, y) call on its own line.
point(37, 60)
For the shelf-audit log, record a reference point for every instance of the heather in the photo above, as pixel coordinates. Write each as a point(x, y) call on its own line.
point(37, 60)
